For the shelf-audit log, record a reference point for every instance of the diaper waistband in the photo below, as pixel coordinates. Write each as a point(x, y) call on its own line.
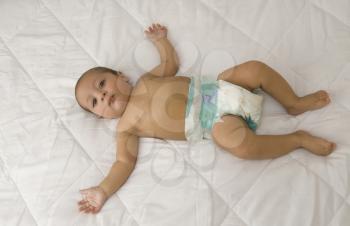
point(201, 108)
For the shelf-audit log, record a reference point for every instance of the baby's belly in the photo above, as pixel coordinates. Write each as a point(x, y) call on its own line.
point(166, 119)
point(164, 115)
point(164, 129)
point(174, 133)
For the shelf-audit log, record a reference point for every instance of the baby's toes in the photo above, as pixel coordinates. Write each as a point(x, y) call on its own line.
point(323, 96)
point(333, 146)
point(328, 148)
point(322, 99)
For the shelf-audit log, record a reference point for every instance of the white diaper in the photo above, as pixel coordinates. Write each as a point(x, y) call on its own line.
point(209, 100)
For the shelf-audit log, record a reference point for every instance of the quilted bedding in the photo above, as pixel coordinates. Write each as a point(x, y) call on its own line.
point(50, 148)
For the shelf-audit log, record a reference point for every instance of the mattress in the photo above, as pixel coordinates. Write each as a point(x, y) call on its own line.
point(51, 148)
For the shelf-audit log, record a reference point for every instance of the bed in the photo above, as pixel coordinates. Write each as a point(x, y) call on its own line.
point(50, 148)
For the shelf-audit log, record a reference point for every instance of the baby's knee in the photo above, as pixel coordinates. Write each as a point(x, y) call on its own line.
point(237, 142)
point(254, 64)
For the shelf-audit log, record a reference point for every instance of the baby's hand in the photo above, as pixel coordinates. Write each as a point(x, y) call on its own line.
point(156, 32)
point(93, 200)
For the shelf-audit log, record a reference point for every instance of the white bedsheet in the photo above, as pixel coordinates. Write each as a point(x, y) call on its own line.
point(50, 148)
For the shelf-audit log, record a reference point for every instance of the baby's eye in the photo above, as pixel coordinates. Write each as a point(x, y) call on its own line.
point(102, 83)
point(94, 102)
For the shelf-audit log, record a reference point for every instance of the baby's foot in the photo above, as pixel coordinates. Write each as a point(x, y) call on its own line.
point(316, 145)
point(309, 102)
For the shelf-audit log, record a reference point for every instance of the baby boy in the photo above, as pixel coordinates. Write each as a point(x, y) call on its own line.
point(162, 105)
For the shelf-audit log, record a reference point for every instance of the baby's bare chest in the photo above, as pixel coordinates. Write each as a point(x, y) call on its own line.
point(162, 112)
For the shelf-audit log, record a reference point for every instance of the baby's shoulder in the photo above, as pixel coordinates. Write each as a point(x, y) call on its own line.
point(124, 125)
point(145, 79)
point(146, 76)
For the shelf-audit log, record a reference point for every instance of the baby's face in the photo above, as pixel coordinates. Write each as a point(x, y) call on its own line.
point(104, 94)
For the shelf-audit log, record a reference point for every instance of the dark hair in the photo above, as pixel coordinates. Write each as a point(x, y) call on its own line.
point(95, 69)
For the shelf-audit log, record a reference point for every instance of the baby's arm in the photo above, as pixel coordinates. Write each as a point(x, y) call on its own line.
point(126, 160)
point(95, 197)
point(169, 63)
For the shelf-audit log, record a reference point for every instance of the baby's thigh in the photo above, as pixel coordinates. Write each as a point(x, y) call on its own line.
point(231, 133)
point(246, 75)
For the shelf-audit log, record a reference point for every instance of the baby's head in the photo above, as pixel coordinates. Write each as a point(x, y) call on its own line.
point(103, 92)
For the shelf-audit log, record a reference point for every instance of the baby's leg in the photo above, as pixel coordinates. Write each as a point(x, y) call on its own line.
point(255, 74)
point(233, 135)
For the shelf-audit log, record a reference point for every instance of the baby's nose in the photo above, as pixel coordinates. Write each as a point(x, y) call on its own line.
point(103, 95)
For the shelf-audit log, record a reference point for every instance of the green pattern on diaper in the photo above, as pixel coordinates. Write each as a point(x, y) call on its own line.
point(251, 124)
point(208, 100)
point(209, 103)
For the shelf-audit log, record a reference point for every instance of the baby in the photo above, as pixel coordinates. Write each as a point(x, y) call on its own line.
point(162, 105)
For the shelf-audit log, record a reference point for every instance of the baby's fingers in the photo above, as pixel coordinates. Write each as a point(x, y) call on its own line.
point(83, 208)
point(89, 209)
point(160, 27)
point(95, 210)
point(150, 29)
point(82, 202)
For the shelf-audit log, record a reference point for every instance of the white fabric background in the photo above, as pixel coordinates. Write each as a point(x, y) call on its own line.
point(50, 148)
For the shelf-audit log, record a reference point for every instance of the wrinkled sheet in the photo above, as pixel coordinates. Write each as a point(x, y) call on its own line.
point(50, 148)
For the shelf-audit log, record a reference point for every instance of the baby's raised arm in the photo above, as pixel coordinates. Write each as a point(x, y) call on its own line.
point(169, 63)
point(95, 197)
